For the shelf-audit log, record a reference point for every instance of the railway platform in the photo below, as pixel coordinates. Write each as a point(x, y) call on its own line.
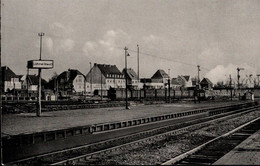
point(246, 153)
point(28, 123)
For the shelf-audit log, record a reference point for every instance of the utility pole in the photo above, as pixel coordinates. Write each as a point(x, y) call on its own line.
point(39, 75)
point(14, 87)
point(230, 85)
point(169, 85)
point(27, 82)
point(101, 84)
point(57, 88)
point(138, 63)
point(90, 70)
point(199, 82)
point(126, 97)
point(138, 70)
point(238, 76)
point(258, 79)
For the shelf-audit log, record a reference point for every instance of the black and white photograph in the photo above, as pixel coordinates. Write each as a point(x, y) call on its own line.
point(130, 82)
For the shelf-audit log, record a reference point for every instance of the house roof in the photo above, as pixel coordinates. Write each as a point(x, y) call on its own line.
point(175, 81)
point(130, 74)
point(74, 73)
point(206, 81)
point(7, 74)
point(33, 80)
point(160, 74)
point(187, 78)
point(70, 75)
point(109, 71)
point(184, 78)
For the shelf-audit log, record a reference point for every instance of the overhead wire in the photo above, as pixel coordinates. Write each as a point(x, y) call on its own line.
point(117, 47)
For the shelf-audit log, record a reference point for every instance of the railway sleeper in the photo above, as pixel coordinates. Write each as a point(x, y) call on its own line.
point(198, 160)
point(210, 157)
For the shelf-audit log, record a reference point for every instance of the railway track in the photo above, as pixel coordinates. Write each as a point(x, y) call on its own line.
point(209, 152)
point(85, 154)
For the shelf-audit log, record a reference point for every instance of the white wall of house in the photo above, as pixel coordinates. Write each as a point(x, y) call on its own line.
point(155, 85)
point(24, 84)
point(33, 87)
point(79, 83)
point(98, 87)
point(13, 84)
point(188, 83)
point(114, 83)
point(135, 83)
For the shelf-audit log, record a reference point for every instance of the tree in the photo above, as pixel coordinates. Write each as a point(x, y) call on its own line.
point(54, 76)
point(220, 84)
point(52, 81)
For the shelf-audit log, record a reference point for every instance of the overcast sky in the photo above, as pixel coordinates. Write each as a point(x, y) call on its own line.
point(219, 35)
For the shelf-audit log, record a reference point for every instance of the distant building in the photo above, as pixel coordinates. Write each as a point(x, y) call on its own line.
point(174, 83)
point(184, 81)
point(160, 77)
point(158, 81)
point(71, 82)
point(249, 82)
point(205, 83)
point(10, 80)
point(104, 76)
point(30, 85)
point(132, 78)
point(30, 82)
point(146, 83)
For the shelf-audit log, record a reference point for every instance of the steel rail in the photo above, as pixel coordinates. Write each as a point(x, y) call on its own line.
point(186, 154)
point(86, 157)
point(122, 137)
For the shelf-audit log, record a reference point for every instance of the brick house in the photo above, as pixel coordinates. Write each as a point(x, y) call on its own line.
point(10, 80)
point(71, 82)
point(205, 83)
point(132, 78)
point(104, 76)
point(184, 81)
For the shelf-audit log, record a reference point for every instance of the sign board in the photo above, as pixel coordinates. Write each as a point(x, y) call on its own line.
point(40, 64)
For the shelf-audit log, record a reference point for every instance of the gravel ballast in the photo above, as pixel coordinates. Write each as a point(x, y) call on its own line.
point(155, 153)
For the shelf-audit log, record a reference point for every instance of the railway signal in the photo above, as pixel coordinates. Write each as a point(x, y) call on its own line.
point(126, 100)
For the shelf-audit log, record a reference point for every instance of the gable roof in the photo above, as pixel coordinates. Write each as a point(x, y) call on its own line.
point(175, 81)
point(206, 81)
point(7, 74)
point(187, 78)
point(130, 74)
point(184, 78)
point(109, 71)
point(74, 73)
point(70, 75)
point(33, 80)
point(160, 74)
